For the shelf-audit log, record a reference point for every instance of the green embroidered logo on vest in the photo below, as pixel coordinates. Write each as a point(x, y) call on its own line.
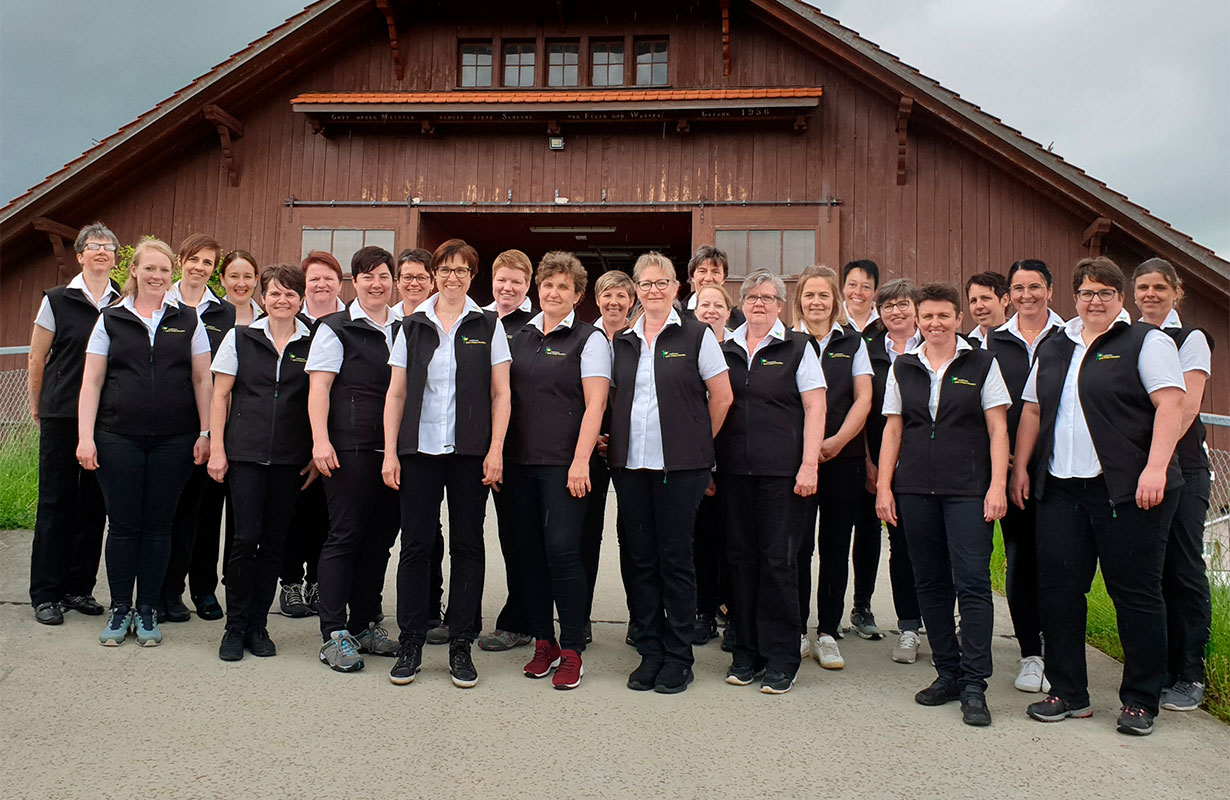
point(165, 329)
point(961, 381)
point(764, 362)
point(833, 354)
point(297, 359)
point(671, 354)
point(1105, 356)
point(468, 340)
point(550, 351)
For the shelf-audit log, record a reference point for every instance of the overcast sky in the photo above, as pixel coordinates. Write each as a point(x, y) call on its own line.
point(1125, 90)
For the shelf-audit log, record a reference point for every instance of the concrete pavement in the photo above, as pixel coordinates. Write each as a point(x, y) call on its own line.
point(81, 721)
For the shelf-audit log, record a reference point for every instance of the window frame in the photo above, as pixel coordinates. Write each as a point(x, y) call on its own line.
point(578, 52)
point(461, 66)
point(596, 42)
point(533, 44)
point(649, 40)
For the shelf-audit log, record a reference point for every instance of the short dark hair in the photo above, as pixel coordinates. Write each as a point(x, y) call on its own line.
point(194, 243)
point(559, 262)
point(455, 247)
point(95, 230)
point(1032, 265)
point(991, 280)
point(323, 257)
point(369, 258)
point(414, 255)
point(1101, 270)
point(288, 275)
point(938, 292)
point(707, 252)
point(866, 265)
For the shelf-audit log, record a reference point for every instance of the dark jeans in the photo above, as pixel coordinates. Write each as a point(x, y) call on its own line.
point(1185, 586)
point(194, 537)
point(362, 528)
point(766, 520)
point(514, 617)
point(549, 532)
point(659, 511)
point(950, 547)
point(713, 582)
point(865, 556)
point(264, 499)
point(68, 531)
point(309, 526)
point(840, 480)
point(1078, 527)
point(424, 480)
point(1021, 553)
point(901, 578)
point(591, 539)
point(141, 478)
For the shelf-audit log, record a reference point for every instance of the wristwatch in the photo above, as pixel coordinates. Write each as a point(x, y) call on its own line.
point(203, 435)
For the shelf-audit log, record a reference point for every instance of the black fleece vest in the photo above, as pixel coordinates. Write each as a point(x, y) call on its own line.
point(75, 316)
point(548, 400)
point(472, 351)
point(1117, 408)
point(763, 432)
point(873, 336)
point(838, 365)
point(950, 455)
point(356, 401)
point(148, 390)
point(1014, 365)
point(1191, 450)
point(268, 420)
point(683, 402)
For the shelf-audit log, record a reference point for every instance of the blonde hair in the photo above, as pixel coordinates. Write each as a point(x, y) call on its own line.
point(834, 280)
point(715, 287)
point(614, 279)
point(158, 246)
point(513, 259)
point(653, 259)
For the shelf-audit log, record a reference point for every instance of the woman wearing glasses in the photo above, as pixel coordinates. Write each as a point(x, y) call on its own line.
point(670, 397)
point(445, 419)
point(1103, 412)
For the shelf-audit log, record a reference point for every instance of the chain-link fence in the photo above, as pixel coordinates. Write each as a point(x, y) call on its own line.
point(18, 454)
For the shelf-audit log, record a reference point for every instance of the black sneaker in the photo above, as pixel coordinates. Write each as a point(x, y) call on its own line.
point(974, 709)
point(409, 662)
point(231, 648)
point(776, 682)
point(82, 603)
point(634, 631)
point(864, 624)
point(938, 693)
point(49, 613)
point(1053, 709)
point(174, 610)
point(673, 678)
point(645, 676)
point(729, 640)
point(704, 629)
point(743, 671)
point(259, 644)
point(1134, 721)
point(207, 606)
point(461, 665)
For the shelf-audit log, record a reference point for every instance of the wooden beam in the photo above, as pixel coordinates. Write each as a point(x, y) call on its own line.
point(217, 116)
point(55, 228)
point(904, 109)
point(1092, 237)
point(726, 37)
point(227, 126)
point(57, 246)
point(394, 40)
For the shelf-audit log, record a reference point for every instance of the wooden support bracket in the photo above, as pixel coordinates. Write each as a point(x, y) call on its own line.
point(800, 123)
point(553, 128)
point(726, 37)
point(228, 127)
point(427, 129)
point(904, 108)
point(1092, 237)
point(682, 126)
point(45, 225)
point(394, 40)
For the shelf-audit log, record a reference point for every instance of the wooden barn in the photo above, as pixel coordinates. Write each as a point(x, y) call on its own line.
point(760, 125)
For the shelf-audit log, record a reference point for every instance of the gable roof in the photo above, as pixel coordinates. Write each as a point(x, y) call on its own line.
point(794, 17)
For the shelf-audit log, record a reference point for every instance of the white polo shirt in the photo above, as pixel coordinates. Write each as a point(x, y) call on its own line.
point(808, 376)
point(1195, 355)
point(46, 318)
point(595, 356)
point(994, 391)
point(875, 314)
point(226, 362)
point(1013, 326)
point(100, 341)
point(327, 351)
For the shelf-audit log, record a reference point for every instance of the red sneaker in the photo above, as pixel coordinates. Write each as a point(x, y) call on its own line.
point(546, 658)
point(568, 676)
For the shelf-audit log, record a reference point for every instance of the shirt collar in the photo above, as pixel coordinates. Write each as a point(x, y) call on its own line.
point(357, 313)
point(671, 319)
point(1014, 325)
point(1172, 320)
point(428, 307)
point(78, 282)
point(1074, 326)
point(961, 345)
point(911, 344)
point(799, 327)
point(255, 306)
point(778, 332)
point(168, 301)
point(566, 322)
point(207, 296)
point(875, 314)
point(493, 305)
point(262, 324)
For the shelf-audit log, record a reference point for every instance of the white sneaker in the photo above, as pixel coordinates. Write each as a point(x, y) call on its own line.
point(804, 647)
point(906, 651)
point(1032, 677)
point(827, 654)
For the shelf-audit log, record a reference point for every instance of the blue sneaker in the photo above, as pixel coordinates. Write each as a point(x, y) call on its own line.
point(146, 624)
point(118, 625)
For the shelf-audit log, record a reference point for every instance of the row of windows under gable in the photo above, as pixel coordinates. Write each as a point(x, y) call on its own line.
point(605, 64)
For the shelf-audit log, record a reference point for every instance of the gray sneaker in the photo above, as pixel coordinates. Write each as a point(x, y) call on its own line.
point(499, 640)
point(438, 634)
point(1183, 696)
point(906, 651)
point(864, 624)
point(120, 623)
point(341, 653)
point(375, 641)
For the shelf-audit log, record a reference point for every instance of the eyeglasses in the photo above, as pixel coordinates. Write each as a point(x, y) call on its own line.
point(1033, 288)
point(661, 285)
point(900, 305)
point(761, 299)
point(422, 280)
point(449, 272)
point(95, 246)
point(1105, 295)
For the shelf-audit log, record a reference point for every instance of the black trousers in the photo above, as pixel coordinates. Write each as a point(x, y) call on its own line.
point(1185, 586)
point(309, 527)
point(424, 480)
point(68, 528)
point(514, 617)
point(549, 529)
point(195, 534)
point(713, 581)
point(362, 528)
point(1078, 528)
point(591, 538)
point(766, 520)
point(840, 480)
point(950, 547)
point(140, 479)
point(264, 498)
point(865, 557)
point(901, 578)
point(659, 511)
point(1019, 528)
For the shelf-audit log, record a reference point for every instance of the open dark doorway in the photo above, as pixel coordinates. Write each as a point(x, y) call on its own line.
point(601, 240)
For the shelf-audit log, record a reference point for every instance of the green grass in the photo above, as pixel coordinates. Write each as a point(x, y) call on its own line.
point(18, 478)
point(1101, 631)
